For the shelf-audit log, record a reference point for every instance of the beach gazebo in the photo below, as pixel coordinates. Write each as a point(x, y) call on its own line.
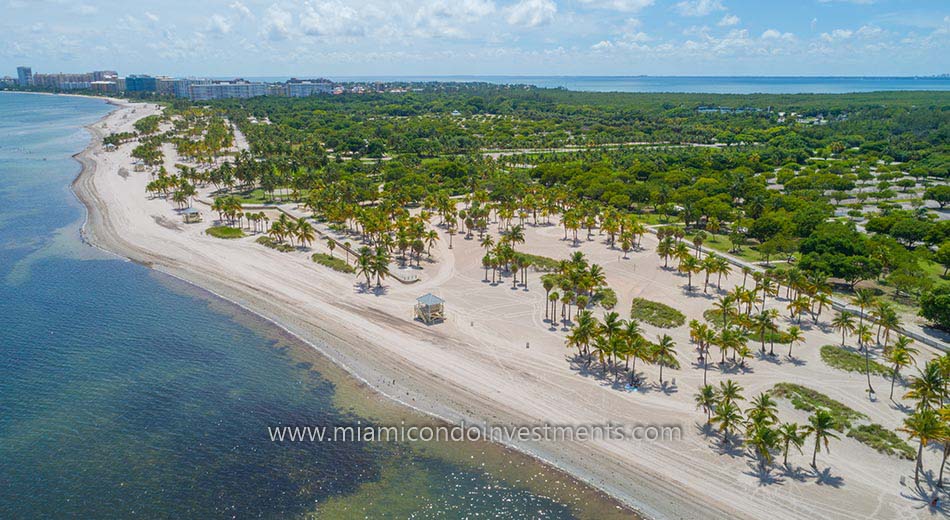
point(191, 215)
point(430, 308)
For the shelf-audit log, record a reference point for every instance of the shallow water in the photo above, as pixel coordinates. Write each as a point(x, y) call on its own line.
point(127, 393)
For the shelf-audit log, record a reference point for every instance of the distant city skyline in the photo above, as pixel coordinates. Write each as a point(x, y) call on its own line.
point(309, 38)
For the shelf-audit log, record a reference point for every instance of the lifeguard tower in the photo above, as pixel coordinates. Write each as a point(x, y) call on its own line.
point(430, 308)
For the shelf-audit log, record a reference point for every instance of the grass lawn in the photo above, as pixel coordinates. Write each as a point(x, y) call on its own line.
point(749, 253)
point(337, 264)
point(842, 359)
point(656, 218)
point(656, 314)
point(224, 232)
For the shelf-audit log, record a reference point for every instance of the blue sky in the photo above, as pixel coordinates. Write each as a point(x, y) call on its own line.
point(431, 37)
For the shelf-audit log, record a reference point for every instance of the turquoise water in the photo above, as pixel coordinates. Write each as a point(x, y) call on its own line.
point(125, 393)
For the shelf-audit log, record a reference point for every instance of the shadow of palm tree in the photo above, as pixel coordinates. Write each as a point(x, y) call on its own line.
point(825, 478)
point(795, 473)
point(925, 499)
point(798, 362)
point(729, 447)
point(764, 474)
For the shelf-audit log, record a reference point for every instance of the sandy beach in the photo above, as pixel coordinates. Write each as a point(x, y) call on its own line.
point(495, 360)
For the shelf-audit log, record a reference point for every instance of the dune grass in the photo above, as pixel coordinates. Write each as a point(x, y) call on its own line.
point(273, 244)
point(804, 398)
point(837, 357)
point(656, 314)
point(226, 232)
point(883, 440)
point(337, 264)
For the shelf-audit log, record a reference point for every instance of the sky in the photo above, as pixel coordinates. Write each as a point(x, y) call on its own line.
point(478, 37)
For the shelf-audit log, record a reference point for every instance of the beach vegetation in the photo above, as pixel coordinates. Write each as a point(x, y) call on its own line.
point(656, 314)
point(227, 232)
point(337, 264)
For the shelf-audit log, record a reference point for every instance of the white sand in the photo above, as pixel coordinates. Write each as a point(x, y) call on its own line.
point(475, 367)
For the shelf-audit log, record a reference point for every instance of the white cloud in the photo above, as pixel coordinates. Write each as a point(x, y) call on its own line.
point(442, 18)
point(151, 16)
point(837, 35)
point(531, 13)
point(277, 23)
point(869, 31)
point(242, 10)
point(699, 7)
point(772, 34)
point(219, 24)
point(859, 2)
point(331, 19)
point(729, 20)
point(629, 6)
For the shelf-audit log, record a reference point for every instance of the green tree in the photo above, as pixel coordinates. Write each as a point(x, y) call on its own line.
point(820, 426)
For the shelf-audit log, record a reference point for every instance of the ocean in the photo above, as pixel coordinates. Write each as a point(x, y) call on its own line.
point(692, 84)
point(127, 393)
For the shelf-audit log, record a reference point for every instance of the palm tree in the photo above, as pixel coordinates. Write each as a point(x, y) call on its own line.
point(364, 264)
point(729, 392)
point(822, 299)
point(928, 387)
point(432, 236)
point(583, 332)
point(305, 232)
point(901, 355)
point(799, 306)
point(689, 265)
point(945, 440)
point(864, 298)
point(664, 249)
point(487, 242)
point(844, 323)
point(381, 265)
point(724, 306)
point(728, 417)
point(709, 265)
point(794, 335)
point(706, 399)
point(331, 245)
point(763, 439)
point(547, 282)
point(820, 426)
point(664, 353)
point(790, 434)
point(924, 425)
point(764, 410)
point(762, 325)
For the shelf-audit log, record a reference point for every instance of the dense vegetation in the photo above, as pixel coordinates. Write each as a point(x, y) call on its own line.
point(836, 182)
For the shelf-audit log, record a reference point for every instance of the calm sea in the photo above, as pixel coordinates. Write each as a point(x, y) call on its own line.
point(126, 393)
point(700, 84)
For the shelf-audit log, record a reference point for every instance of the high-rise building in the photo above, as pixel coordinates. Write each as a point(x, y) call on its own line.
point(24, 76)
point(165, 85)
point(140, 83)
point(304, 88)
point(227, 89)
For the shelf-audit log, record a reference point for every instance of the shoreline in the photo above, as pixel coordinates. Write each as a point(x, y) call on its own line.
point(457, 374)
point(82, 189)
